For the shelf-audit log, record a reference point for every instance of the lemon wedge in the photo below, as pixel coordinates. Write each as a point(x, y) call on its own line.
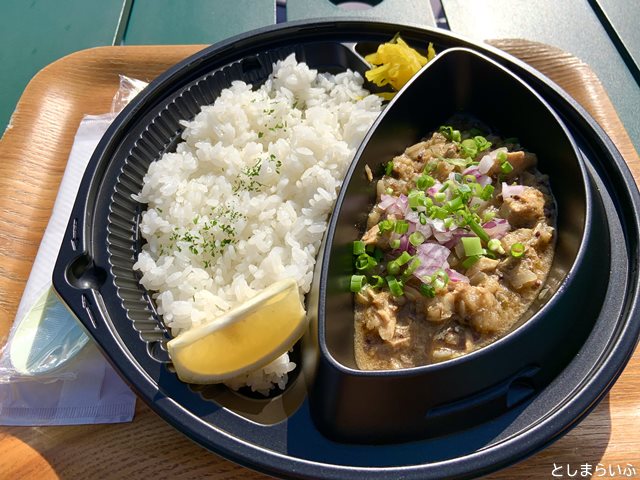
point(244, 339)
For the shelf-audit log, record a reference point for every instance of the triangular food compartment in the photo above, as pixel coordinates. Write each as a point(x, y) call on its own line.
point(395, 405)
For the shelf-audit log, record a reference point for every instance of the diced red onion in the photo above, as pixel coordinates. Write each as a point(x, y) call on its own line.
point(404, 243)
point(403, 202)
point(483, 180)
point(511, 190)
point(394, 205)
point(477, 204)
point(415, 226)
point(443, 237)
point(472, 170)
point(440, 232)
point(431, 191)
point(437, 224)
point(432, 257)
point(425, 229)
point(497, 228)
point(412, 217)
point(386, 201)
point(486, 163)
point(489, 159)
point(456, 276)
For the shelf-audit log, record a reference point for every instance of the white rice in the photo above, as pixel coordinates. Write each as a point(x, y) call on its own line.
point(260, 168)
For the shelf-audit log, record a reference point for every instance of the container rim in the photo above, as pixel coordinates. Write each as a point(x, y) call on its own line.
point(559, 421)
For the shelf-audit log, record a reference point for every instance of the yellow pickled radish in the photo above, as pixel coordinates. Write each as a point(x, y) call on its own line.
point(245, 338)
point(395, 62)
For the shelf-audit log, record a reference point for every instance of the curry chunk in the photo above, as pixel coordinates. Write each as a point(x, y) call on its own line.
point(524, 209)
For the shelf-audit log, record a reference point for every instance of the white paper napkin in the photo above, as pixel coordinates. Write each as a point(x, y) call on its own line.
point(85, 390)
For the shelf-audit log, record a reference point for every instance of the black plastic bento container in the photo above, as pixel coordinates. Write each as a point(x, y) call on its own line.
point(395, 405)
point(93, 276)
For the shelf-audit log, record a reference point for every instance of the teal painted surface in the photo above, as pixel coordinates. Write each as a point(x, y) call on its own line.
point(399, 11)
point(571, 25)
point(34, 33)
point(624, 17)
point(165, 22)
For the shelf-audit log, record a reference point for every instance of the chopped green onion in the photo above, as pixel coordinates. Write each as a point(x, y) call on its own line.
point(440, 197)
point(517, 250)
point(394, 243)
point(477, 229)
point(393, 267)
point(506, 167)
point(501, 157)
point(444, 186)
point(488, 215)
point(389, 191)
point(481, 143)
point(416, 238)
point(459, 218)
point(450, 133)
point(439, 279)
point(448, 222)
point(422, 217)
point(455, 204)
point(472, 246)
point(365, 262)
point(357, 282)
point(415, 263)
point(458, 162)
point(416, 199)
point(495, 246)
point(361, 262)
point(430, 180)
point(469, 148)
point(395, 286)
point(425, 181)
point(427, 290)
point(446, 130)
point(470, 178)
point(439, 212)
point(470, 261)
point(487, 192)
point(464, 189)
point(388, 168)
point(402, 226)
point(386, 225)
point(376, 281)
point(358, 247)
point(403, 258)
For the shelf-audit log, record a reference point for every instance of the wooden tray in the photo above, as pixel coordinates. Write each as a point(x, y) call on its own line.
point(34, 152)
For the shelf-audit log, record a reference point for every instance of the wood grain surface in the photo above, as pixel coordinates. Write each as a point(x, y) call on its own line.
point(33, 155)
